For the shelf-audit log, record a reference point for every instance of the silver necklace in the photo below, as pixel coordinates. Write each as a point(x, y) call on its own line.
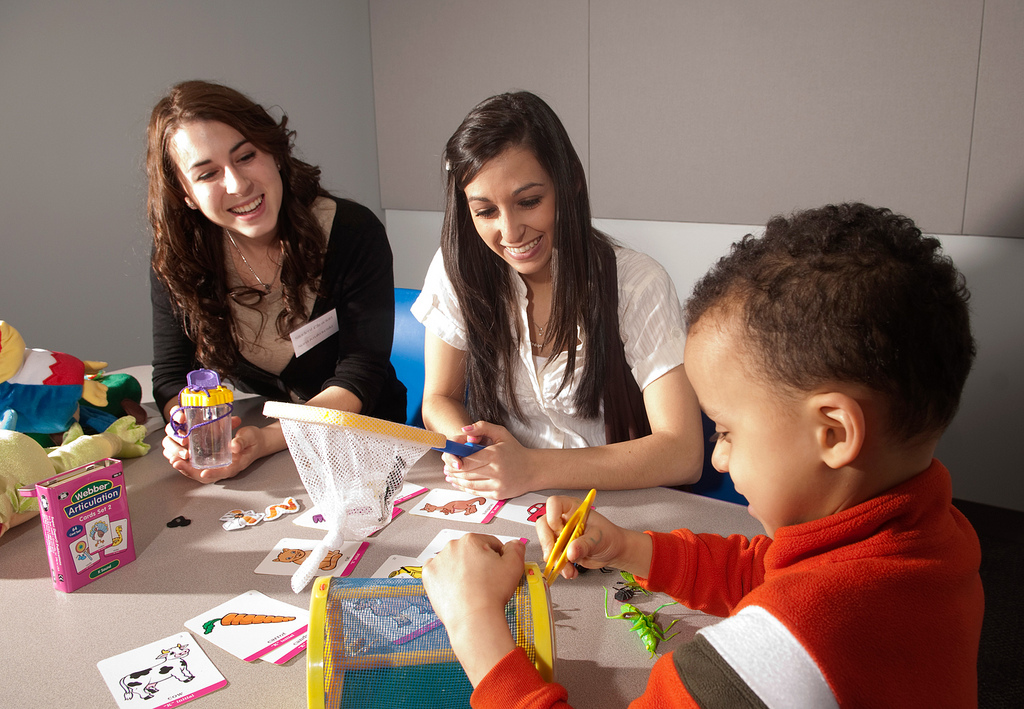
point(266, 286)
point(541, 342)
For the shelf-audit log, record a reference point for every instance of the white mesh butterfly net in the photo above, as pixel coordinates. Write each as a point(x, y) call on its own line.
point(351, 473)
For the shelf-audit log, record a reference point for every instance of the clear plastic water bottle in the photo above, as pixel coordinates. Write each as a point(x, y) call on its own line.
point(207, 407)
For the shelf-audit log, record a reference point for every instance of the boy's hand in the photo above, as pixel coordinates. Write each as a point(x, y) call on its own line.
point(468, 584)
point(602, 544)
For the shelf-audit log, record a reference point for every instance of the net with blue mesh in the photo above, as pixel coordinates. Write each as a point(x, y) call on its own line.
point(378, 643)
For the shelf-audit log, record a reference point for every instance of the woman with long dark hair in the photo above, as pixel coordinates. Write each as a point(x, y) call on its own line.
point(545, 339)
point(259, 273)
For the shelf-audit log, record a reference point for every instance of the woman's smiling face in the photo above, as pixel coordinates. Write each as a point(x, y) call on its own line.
point(232, 182)
point(512, 203)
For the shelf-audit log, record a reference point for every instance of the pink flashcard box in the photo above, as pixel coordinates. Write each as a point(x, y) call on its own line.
point(84, 514)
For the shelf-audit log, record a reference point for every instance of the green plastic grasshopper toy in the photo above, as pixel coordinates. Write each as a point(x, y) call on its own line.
point(644, 624)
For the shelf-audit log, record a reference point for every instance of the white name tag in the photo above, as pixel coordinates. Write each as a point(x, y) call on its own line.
point(314, 332)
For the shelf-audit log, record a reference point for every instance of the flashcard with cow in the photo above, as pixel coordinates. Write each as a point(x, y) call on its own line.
point(444, 503)
point(289, 554)
point(251, 625)
point(165, 673)
point(526, 508)
point(446, 535)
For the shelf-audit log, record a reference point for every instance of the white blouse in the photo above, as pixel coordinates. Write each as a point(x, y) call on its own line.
point(650, 324)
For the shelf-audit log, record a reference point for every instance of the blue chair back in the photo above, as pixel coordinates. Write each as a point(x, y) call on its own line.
point(407, 354)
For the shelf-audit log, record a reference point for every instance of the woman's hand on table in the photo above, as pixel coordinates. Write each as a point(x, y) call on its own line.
point(245, 447)
point(468, 584)
point(502, 470)
point(602, 543)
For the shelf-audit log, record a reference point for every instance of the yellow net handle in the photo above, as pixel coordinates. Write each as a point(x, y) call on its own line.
point(347, 419)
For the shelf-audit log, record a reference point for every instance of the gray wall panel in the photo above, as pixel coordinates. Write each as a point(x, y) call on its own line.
point(78, 79)
point(434, 61)
point(732, 111)
point(995, 189)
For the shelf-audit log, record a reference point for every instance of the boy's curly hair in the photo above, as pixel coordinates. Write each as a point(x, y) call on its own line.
point(856, 294)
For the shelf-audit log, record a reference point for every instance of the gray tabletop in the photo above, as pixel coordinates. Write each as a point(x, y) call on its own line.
point(50, 641)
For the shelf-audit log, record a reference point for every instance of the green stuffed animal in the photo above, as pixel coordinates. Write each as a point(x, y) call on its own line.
point(23, 462)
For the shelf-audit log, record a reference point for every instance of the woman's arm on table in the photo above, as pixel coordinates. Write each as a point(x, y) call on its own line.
point(444, 387)
point(672, 455)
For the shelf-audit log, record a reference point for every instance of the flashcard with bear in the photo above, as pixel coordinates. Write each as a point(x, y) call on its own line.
point(168, 672)
point(444, 503)
point(289, 554)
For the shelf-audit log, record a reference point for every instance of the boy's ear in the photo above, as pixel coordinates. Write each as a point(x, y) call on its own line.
point(839, 428)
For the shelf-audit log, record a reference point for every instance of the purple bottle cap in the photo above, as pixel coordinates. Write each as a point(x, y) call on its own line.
point(203, 379)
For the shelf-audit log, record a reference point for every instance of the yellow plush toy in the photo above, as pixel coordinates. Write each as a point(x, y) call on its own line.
point(23, 462)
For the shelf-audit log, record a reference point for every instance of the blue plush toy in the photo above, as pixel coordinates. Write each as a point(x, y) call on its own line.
point(39, 389)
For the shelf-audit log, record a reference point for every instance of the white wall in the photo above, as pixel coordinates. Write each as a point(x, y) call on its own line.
point(78, 79)
point(979, 446)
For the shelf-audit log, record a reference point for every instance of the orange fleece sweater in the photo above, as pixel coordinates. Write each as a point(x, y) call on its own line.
point(878, 605)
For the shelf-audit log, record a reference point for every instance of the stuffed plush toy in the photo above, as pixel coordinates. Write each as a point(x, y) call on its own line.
point(124, 398)
point(24, 462)
point(39, 389)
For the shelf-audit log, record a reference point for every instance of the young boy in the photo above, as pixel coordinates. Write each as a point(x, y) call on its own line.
point(831, 353)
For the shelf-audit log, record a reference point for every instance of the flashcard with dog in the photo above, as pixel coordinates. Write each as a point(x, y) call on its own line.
point(165, 673)
point(443, 503)
point(289, 554)
point(251, 625)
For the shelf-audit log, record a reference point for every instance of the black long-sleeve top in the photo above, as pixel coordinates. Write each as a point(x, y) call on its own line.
point(360, 280)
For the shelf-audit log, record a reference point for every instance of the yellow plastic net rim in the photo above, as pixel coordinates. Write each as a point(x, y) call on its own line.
point(346, 419)
point(543, 625)
point(315, 644)
point(319, 669)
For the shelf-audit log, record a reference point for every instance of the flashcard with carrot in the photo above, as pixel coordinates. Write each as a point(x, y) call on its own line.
point(251, 625)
